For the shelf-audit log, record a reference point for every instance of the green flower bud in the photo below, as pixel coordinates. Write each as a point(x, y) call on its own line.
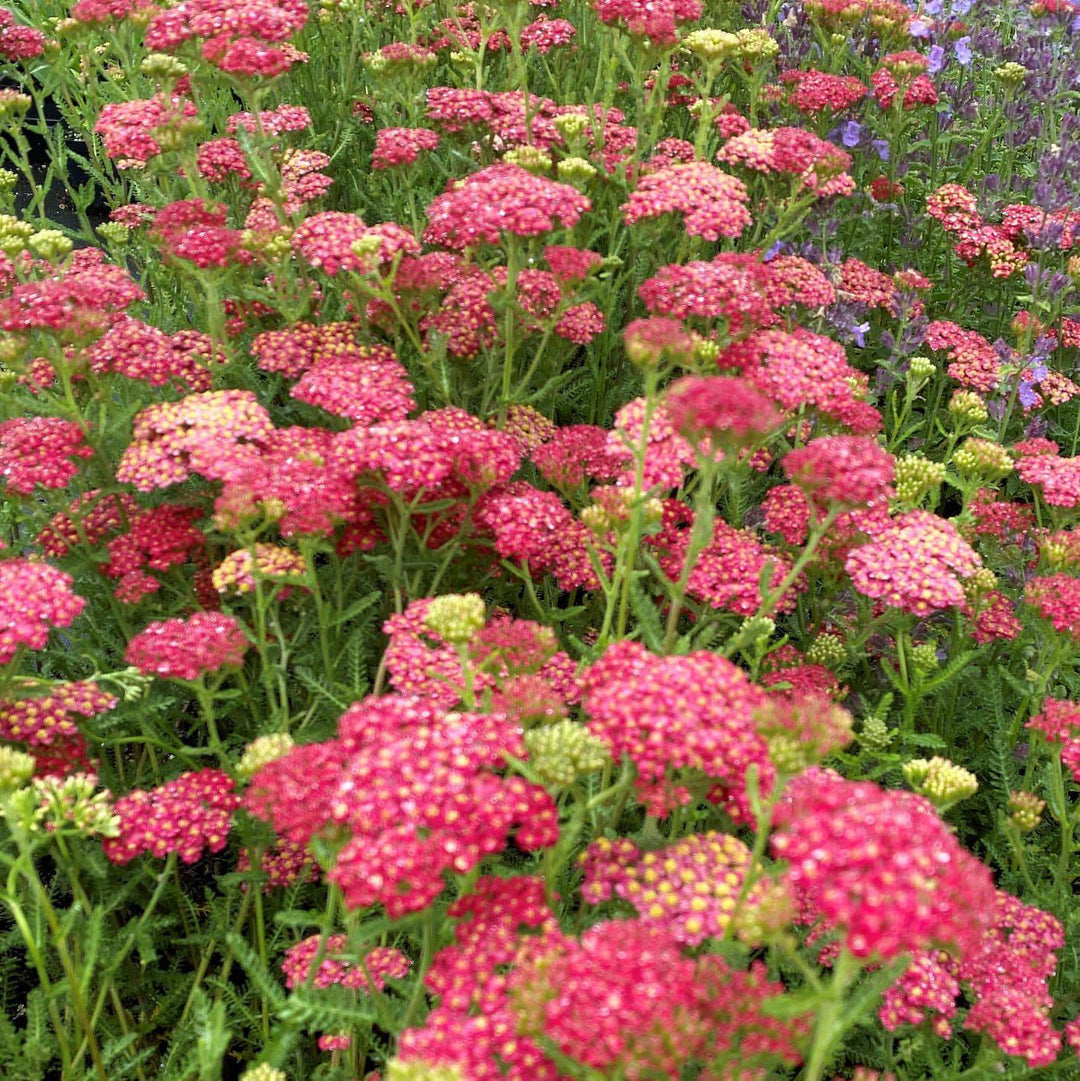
point(456, 617)
point(967, 409)
point(13, 106)
point(14, 234)
point(924, 658)
point(916, 476)
point(8, 180)
point(920, 369)
point(50, 244)
point(940, 781)
point(710, 44)
point(1025, 810)
point(575, 170)
point(263, 1072)
point(530, 158)
point(396, 1070)
point(983, 458)
point(875, 735)
point(561, 752)
point(263, 750)
point(114, 232)
point(827, 649)
point(1011, 74)
point(571, 126)
point(71, 802)
point(162, 66)
point(16, 768)
point(756, 43)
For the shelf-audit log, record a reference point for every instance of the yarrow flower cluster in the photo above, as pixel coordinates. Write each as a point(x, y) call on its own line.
point(879, 867)
point(39, 451)
point(188, 816)
point(186, 649)
point(417, 792)
point(34, 598)
point(712, 203)
point(676, 718)
point(501, 199)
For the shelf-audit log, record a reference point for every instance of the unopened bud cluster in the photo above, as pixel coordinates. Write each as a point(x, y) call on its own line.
point(560, 753)
point(1026, 810)
point(916, 476)
point(942, 782)
point(456, 617)
point(827, 649)
point(262, 751)
point(983, 458)
point(967, 408)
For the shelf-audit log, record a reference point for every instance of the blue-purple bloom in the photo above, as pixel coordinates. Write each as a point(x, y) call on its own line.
point(935, 59)
point(850, 133)
point(882, 148)
point(963, 50)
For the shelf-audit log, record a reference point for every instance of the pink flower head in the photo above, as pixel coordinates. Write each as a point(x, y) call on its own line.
point(1059, 720)
point(131, 130)
point(48, 719)
point(421, 663)
point(185, 816)
point(367, 384)
point(625, 1002)
point(205, 642)
point(713, 204)
point(657, 20)
point(325, 241)
point(817, 92)
point(38, 451)
point(535, 528)
point(842, 471)
point(401, 146)
point(689, 889)
point(417, 790)
point(1057, 599)
point(722, 409)
point(19, 42)
point(34, 597)
point(365, 974)
point(914, 562)
point(727, 572)
point(692, 713)
point(195, 232)
point(138, 350)
point(214, 434)
point(501, 199)
point(879, 867)
point(237, 37)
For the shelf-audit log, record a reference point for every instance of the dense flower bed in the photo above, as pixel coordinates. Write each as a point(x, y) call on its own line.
point(538, 540)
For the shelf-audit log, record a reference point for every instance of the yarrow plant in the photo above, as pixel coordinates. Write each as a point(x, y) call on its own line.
point(539, 541)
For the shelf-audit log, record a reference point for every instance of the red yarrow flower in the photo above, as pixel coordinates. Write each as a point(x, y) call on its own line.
point(34, 598)
point(879, 867)
point(189, 648)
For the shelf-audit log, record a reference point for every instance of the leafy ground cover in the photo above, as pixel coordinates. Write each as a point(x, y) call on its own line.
point(539, 540)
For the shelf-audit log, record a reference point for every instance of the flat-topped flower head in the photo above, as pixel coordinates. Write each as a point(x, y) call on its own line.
point(842, 471)
point(501, 199)
point(670, 714)
point(188, 816)
point(34, 598)
point(713, 203)
point(879, 868)
point(656, 20)
point(186, 649)
point(915, 562)
point(39, 451)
